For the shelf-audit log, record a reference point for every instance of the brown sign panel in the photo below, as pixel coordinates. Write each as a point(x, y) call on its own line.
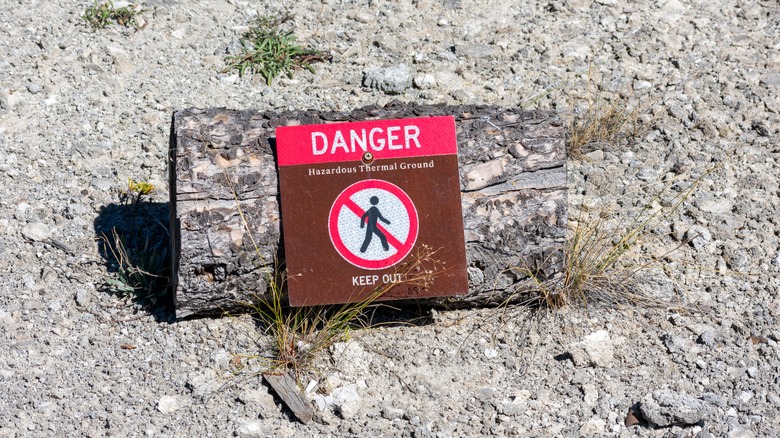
point(371, 206)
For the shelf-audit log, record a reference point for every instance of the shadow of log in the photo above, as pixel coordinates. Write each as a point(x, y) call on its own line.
point(133, 241)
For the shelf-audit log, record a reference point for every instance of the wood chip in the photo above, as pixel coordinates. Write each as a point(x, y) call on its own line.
point(631, 419)
point(287, 389)
point(127, 347)
point(758, 340)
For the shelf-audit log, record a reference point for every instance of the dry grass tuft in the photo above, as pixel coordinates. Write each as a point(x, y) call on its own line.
point(603, 258)
point(607, 118)
point(300, 335)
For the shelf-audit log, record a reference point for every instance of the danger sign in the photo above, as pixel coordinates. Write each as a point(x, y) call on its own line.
point(373, 224)
point(361, 200)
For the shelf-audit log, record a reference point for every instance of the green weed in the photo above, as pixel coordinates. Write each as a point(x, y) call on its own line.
point(101, 15)
point(534, 100)
point(269, 50)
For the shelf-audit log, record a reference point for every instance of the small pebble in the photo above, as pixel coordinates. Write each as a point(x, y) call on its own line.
point(36, 231)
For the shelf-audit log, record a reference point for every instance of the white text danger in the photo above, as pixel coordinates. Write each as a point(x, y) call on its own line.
point(375, 139)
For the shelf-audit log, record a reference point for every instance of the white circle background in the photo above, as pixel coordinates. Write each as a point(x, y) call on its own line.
point(391, 209)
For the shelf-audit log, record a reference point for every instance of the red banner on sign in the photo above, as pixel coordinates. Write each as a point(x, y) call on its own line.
point(384, 139)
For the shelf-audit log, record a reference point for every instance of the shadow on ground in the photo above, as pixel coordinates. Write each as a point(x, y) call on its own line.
point(133, 241)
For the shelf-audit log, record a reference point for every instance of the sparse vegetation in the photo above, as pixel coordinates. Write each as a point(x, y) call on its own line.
point(138, 255)
point(142, 271)
point(103, 14)
point(607, 118)
point(602, 258)
point(300, 335)
point(269, 50)
point(135, 191)
point(601, 263)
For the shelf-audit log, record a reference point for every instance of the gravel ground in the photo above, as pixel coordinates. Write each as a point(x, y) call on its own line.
point(82, 111)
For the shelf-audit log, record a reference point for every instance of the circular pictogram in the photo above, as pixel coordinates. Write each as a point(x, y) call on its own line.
point(373, 224)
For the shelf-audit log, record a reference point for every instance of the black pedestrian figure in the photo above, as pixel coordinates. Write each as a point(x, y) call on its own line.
point(370, 217)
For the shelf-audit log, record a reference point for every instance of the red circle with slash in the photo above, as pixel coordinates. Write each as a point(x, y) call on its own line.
point(381, 216)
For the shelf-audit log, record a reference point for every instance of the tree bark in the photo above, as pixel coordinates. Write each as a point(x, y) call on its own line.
point(513, 185)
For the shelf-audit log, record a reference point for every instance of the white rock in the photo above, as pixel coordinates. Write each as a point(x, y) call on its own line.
point(116, 52)
point(513, 408)
point(642, 85)
point(322, 402)
point(698, 236)
point(596, 349)
point(347, 401)
point(579, 5)
point(591, 394)
point(102, 184)
point(593, 427)
point(259, 400)
point(772, 104)
point(741, 432)
point(251, 429)
point(717, 206)
point(36, 231)
point(229, 79)
point(168, 404)
point(666, 408)
point(391, 80)
point(424, 81)
point(34, 88)
point(595, 156)
point(204, 383)
point(179, 33)
point(83, 298)
point(392, 413)
point(350, 357)
point(29, 282)
point(5, 100)
point(475, 50)
point(363, 17)
point(220, 358)
point(670, 10)
point(576, 49)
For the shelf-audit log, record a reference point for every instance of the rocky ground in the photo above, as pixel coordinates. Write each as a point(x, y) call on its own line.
point(83, 111)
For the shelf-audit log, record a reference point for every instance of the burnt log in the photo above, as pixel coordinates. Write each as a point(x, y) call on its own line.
point(513, 192)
